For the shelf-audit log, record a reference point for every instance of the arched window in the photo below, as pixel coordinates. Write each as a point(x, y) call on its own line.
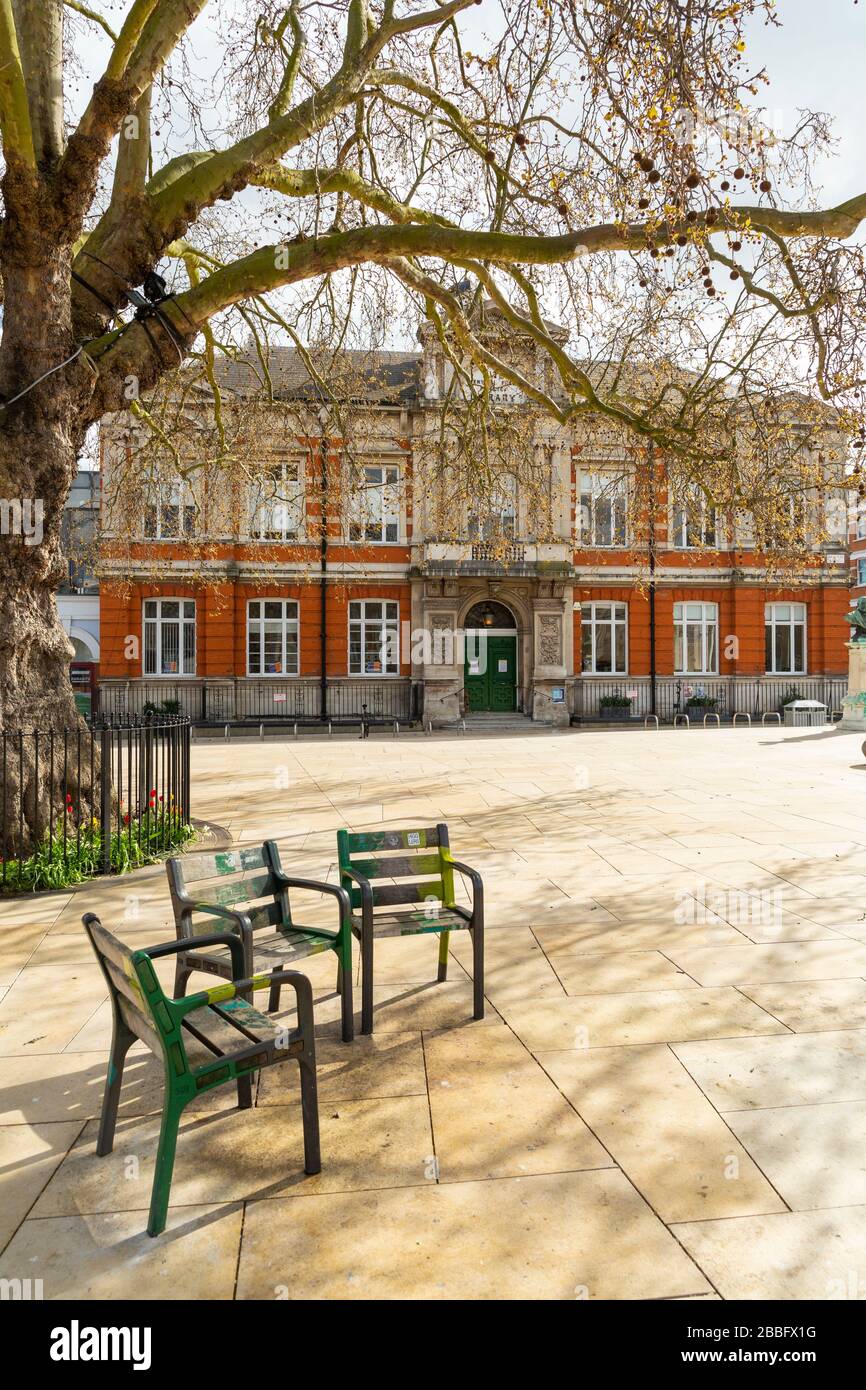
point(489, 614)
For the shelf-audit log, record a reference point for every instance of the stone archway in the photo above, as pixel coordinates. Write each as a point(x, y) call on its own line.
point(493, 660)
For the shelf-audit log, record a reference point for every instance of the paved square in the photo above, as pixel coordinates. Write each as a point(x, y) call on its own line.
point(666, 1099)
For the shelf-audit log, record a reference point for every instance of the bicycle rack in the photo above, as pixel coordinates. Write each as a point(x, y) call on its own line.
point(651, 716)
point(712, 715)
point(771, 714)
point(742, 714)
point(678, 717)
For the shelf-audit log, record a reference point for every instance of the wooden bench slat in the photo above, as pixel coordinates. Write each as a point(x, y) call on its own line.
point(210, 1028)
point(124, 985)
point(256, 1027)
point(401, 866)
point(386, 894)
point(291, 946)
point(232, 1026)
point(109, 948)
point(244, 888)
point(411, 923)
point(368, 840)
point(137, 1023)
point(196, 867)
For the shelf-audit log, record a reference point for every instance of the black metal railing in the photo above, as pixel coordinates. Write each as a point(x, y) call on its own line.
point(699, 695)
point(247, 700)
point(104, 796)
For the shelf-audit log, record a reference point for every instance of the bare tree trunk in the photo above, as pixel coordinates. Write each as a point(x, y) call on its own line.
point(42, 427)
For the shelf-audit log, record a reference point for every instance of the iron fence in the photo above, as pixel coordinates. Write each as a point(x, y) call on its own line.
point(722, 695)
point(290, 700)
point(107, 793)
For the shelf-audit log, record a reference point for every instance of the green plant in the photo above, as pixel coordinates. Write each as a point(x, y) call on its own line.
point(54, 864)
point(702, 701)
point(792, 693)
point(615, 701)
point(167, 707)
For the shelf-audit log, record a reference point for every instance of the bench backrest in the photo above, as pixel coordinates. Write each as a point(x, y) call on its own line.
point(242, 879)
point(137, 997)
point(382, 855)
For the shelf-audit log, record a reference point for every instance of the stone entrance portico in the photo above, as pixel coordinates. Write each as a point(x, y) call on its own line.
point(445, 609)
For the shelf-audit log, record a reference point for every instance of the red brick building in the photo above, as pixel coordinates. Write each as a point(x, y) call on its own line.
point(339, 589)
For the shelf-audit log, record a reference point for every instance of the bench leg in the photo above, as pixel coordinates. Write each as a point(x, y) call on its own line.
point(164, 1163)
point(477, 934)
point(274, 994)
point(310, 1114)
point(444, 939)
point(344, 989)
point(121, 1042)
point(245, 1092)
point(367, 983)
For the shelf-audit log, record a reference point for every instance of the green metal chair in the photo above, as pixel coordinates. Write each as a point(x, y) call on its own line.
point(422, 855)
point(242, 1042)
point(248, 890)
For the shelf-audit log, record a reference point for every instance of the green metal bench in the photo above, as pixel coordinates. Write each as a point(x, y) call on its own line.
point(242, 1042)
point(423, 855)
point(248, 890)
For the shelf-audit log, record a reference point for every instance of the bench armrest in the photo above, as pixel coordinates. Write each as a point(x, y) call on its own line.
point(363, 883)
point(315, 886)
point(229, 939)
point(474, 878)
point(239, 920)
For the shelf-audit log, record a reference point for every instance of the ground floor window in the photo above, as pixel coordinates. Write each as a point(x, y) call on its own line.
point(696, 639)
point(605, 638)
point(169, 637)
point(374, 638)
point(785, 638)
point(272, 637)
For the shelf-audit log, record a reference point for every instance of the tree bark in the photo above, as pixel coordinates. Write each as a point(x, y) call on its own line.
point(42, 428)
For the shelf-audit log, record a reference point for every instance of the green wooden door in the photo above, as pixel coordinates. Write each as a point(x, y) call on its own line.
point(494, 688)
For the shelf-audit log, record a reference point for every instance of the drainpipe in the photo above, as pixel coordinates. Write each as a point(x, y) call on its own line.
point(323, 579)
point(652, 579)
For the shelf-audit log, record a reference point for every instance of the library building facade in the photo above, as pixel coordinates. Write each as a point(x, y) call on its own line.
point(327, 585)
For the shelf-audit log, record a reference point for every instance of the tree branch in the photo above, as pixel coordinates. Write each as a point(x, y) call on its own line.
point(87, 13)
point(151, 32)
point(229, 170)
point(15, 127)
point(40, 33)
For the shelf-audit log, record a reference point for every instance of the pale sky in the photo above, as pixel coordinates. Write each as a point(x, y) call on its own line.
point(816, 61)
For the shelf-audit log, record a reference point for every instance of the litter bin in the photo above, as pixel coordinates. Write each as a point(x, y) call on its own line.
point(805, 712)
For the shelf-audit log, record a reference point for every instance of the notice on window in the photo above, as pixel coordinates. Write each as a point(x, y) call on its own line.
point(279, 697)
point(503, 666)
point(473, 668)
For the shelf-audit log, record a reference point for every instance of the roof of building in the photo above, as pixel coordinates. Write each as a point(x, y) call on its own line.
point(368, 375)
